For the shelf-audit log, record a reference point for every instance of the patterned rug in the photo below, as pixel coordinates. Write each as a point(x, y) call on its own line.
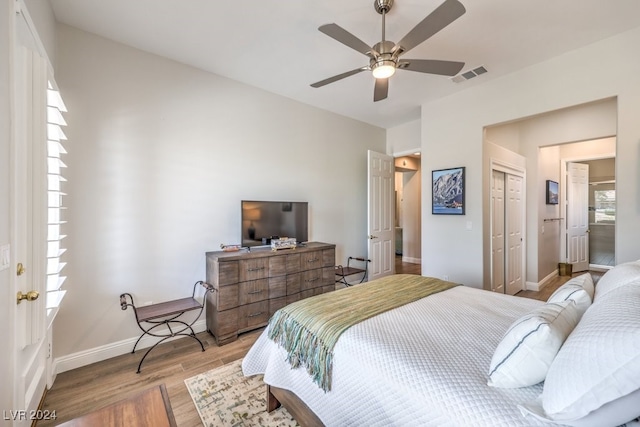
point(225, 397)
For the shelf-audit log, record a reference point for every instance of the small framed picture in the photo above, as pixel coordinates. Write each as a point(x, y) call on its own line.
point(552, 192)
point(448, 191)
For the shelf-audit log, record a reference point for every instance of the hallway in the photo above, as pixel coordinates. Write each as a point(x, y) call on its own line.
point(407, 267)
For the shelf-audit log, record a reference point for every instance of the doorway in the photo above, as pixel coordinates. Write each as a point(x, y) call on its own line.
point(408, 210)
point(600, 212)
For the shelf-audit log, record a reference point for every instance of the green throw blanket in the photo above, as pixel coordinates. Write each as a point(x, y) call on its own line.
point(309, 329)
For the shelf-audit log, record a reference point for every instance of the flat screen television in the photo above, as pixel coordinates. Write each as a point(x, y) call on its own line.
point(265, 220)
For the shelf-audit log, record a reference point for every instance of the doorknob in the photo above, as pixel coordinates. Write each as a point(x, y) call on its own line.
point(29, 296)
point(20, 269)
point(371, 237)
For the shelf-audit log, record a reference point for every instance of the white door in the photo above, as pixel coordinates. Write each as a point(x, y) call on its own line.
point(497, 231)
point(514, 212)
point(380, 224)
point(507, 232)
point(577, 213)
point(28, 211)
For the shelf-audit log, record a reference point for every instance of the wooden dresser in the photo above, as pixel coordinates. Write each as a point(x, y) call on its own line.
point(251, 286)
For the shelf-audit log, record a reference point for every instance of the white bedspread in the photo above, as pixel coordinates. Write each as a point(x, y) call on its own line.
point(423, 364)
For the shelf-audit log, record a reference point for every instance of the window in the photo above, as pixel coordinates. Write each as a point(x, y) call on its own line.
point(55, 205)
point(605, 204)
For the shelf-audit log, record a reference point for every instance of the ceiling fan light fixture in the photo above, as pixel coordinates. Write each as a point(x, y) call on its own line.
point(383, 69)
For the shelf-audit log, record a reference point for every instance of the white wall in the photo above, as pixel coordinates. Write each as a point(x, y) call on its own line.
point(6, 319)
point(452, 132)
point(161, 155)
point(404, 139)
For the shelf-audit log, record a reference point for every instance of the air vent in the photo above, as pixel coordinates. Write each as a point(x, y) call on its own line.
point(469, 74)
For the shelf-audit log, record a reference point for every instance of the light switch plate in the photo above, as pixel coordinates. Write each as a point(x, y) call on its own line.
point(5, 256)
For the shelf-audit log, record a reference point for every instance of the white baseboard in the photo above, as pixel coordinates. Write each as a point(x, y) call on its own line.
point(411, 260)
point(98, 354)
point(538, 286)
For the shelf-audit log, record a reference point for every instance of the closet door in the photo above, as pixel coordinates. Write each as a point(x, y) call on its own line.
point(514, 213)
point(497, 231)
point(507, 232)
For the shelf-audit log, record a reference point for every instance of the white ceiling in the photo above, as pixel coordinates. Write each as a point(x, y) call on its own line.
point(276, 45)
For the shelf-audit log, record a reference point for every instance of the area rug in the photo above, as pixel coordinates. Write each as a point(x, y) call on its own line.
point(225, 397)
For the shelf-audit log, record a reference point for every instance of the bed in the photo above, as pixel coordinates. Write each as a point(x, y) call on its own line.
point(427, 363)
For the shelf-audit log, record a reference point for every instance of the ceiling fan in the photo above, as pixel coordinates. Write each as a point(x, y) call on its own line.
point(384, 56)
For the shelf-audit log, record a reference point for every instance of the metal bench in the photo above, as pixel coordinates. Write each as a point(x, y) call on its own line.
point(343, 272)
point(151, 317)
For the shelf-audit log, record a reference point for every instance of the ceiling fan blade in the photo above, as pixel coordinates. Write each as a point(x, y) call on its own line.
point(432, 66)
point(338, 77)
point(345, 37)
point(442, 16)
point(380, 90)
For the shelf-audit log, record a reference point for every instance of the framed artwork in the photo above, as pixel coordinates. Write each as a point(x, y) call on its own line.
point(552, 192)
point(448, 191)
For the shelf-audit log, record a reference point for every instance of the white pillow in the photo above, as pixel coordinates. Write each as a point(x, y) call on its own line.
point(600, 361)
point(619, 275)
point(523, 356)
point(585, 281)
point(578, 289)
point(615, 413)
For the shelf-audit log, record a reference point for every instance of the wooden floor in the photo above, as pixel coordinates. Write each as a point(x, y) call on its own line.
point(86, 389)
point(80, 391)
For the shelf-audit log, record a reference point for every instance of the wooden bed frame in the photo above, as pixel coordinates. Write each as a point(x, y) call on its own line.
point(292, 403)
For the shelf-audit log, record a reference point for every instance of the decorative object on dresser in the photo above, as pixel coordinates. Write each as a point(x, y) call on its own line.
point(283, 243)
point(250, 286)
point(167, 314)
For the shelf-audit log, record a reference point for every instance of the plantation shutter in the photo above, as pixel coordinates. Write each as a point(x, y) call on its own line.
point(55, 184)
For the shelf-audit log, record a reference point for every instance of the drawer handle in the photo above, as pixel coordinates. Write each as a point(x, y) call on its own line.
point(313, 280)
point(313, 260)
point(255, 315)
point(254, 292)
point(255, 269)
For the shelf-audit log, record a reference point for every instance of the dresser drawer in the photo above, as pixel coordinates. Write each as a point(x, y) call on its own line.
point(328, 276)
point(328, 258)
point(293, 283)
point(311, 260)
point(253, 315)
point(276, 304)
point(222, 273)
point(277, 266)
point(277, 286)
point(253, 291)
point(293, 298)
point(293, 263)
point(226, 323)
point(311, 279)
point(254, 268)
point(328, 288)
point(226, 297)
